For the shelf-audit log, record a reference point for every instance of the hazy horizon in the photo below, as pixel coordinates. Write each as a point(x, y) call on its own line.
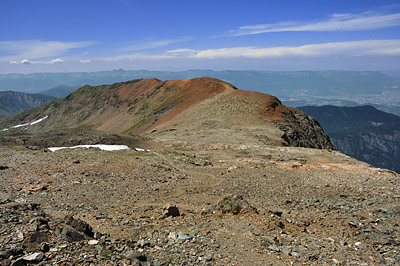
point(390, 74)
point(80, 36)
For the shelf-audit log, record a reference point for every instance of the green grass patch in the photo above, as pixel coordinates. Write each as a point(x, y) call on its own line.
point(138, 125)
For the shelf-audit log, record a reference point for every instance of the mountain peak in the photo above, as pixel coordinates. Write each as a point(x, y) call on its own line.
point(201, 110)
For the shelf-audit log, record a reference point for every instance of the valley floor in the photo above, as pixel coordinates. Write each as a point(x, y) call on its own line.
point(281, 206)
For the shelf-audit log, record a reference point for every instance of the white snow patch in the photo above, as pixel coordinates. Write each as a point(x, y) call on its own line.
point(27, 124)
point(39, 120)
point(103, 147)
point(22, 125)
point(140, 149)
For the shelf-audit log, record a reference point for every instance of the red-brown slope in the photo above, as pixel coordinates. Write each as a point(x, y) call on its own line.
point(270, 107)
point(153, 102)
point(188, 93)
point(180, 95)
point(132, 90)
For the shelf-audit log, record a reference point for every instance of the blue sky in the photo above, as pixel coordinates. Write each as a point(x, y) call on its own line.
point(69, 36)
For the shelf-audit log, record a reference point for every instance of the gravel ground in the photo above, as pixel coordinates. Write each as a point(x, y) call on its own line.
point(196, 206)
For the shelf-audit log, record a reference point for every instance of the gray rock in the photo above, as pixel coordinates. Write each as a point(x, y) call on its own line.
point(155, 263)
point(70, 234)
point(173, 236)
point(135, 255)
point(274, 248)
point(294, 254)
point(343, 204)
point(4, 201)
point(35, 239)
point(182, 236)
point(131, 254)
point(142, 243)
point(5, 254)
point(285, 250)
point(79, 225)
point(35, 257)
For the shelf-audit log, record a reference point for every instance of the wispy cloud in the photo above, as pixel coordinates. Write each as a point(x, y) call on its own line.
point(36, 49)
point(154, 44)
point(183, 51)
point(136, 56)
point(336, 22)
point(354, 48)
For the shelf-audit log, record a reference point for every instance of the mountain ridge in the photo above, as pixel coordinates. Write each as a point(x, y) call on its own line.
point(196, 109)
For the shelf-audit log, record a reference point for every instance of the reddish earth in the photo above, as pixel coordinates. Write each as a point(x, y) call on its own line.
point(271, 108)
point(190, 92)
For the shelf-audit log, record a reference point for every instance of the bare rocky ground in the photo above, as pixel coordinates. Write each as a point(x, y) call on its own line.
point(185, 205)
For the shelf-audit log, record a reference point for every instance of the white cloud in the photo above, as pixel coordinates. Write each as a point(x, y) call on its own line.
point(55, 61)
point(28, 62)
point(154, 44)
point(354, 48)
point(336, 22)
point(85, 61)
point(36, 49)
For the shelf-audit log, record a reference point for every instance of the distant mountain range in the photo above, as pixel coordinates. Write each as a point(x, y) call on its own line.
point(295, 88)
point(12, 102)
point(362, 132)
point(279, 83)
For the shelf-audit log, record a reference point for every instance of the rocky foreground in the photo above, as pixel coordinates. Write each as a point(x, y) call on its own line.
point(264, 205)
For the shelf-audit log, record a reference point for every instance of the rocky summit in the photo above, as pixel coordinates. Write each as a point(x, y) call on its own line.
point(213, 176)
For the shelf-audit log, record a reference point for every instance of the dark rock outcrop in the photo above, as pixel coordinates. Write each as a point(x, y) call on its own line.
point(302, 130)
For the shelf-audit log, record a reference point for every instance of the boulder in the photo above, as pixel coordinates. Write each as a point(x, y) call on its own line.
point(234, 204)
